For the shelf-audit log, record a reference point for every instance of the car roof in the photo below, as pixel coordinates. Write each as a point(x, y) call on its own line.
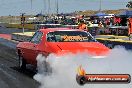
point(58, 29)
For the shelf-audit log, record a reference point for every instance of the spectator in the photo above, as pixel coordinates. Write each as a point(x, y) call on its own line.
point(100, 24)
point(82, 25)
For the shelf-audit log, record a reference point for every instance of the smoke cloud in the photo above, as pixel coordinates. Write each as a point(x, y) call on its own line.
point(64, 69)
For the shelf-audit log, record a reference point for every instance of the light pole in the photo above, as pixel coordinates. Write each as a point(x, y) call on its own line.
point(31, 6)
point(45, 7)
point(48, 7)
point(100, 5)
point(57, 7)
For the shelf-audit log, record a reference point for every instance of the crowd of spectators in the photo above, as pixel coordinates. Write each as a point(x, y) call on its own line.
point(91, 21)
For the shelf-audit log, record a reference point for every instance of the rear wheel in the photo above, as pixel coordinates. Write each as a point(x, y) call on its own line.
point(22, 62)
point(43, 66)
point(48, 68)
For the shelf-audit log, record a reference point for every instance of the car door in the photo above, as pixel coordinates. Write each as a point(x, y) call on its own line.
point(31, 51)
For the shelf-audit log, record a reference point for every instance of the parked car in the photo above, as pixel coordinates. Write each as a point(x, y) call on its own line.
point(59, 41)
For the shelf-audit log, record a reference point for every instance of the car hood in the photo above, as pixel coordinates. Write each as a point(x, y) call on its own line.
point(93, 48)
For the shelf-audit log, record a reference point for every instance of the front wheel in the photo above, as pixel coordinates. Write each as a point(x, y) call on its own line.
point(22, 63)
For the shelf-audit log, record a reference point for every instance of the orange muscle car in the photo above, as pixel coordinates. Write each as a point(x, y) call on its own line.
point(58, 41)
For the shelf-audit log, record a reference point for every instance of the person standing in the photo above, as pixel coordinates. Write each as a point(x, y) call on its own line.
point(82, 25)
point(130, 28)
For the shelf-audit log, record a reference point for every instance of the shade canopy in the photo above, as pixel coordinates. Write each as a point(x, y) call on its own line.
point(100, 14)
point(40, 14)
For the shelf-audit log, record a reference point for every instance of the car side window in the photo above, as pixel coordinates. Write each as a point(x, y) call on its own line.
point(37, 37)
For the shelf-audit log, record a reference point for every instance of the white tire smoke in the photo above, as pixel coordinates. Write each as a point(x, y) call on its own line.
point(64, 69)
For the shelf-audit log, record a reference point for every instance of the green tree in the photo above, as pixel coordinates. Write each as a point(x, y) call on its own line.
point(129, 4)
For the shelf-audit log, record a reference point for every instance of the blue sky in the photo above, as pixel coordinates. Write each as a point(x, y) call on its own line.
point(15, 7)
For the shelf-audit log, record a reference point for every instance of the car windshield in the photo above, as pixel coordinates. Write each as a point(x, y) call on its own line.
point(69, 36)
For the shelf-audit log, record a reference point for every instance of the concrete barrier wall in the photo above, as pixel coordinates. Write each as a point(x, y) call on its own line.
point(22, 37)
point(26, 26)
point(111, 43)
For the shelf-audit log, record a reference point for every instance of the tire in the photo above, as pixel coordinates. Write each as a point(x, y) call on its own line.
point(44, 67)
point(22, 63)
point(48, 68)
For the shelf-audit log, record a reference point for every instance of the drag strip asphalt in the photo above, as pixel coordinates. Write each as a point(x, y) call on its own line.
point(11, 76)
